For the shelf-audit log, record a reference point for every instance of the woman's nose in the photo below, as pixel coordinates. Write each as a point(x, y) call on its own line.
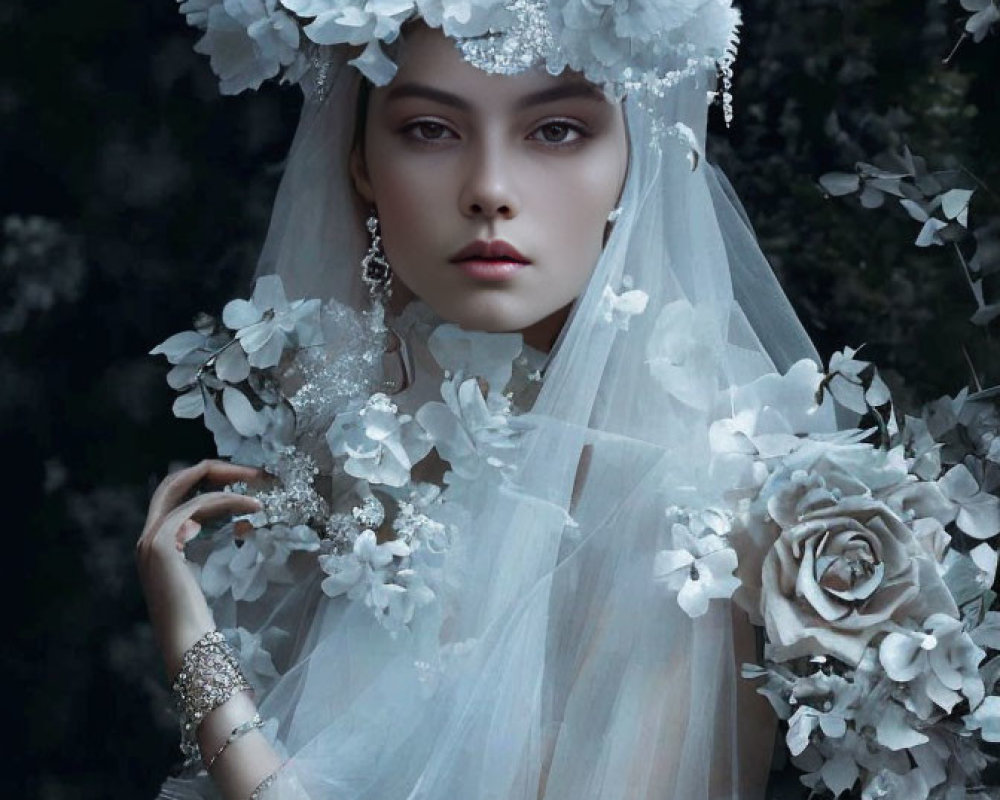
point(489, 190)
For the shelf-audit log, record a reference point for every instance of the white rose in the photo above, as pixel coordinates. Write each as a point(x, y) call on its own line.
point(841, 575)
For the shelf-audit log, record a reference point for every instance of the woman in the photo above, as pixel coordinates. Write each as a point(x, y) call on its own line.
point(581, 232)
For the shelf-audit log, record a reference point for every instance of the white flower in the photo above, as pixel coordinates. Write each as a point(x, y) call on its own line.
point(641, 47)
point(247, 41)
point(374, 64)
point(842, 574)
point(362, 569)
point(245, 570)
point(686, 137)
point(411, 592)
point(245, 444)
point(614, 27)
point(267, 323)
point(187, 347)
point(915, 499)
point(190, 352)
point(981, 421)
point(701, 568)
point(912, 784)
point(382, 446)
point(969, 576)
point(468, 429)
point(618, 309)
point(368, 573)
point(420, 531)
point(765, 420)
point(821, 473)
point(351, 21)
point(985, 559)
point(978, 511)
point(438, 12)
point(826, 703)
point(196, 11)
point(941, 663)
point(467, 354)
point(833, 763)
point(849, 379)
point(986, 719)
point(851, 466)
point(926, 460)
point(986, 15)
point(777, 689)
point(255, 660)
point(790, 497)
point(682, 352)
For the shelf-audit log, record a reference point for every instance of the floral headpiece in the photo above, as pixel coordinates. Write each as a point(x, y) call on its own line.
point(641, 47)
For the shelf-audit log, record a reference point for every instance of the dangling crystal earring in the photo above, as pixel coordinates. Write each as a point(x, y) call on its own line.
point(376, 273)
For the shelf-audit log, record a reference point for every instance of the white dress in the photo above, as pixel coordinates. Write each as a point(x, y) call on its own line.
point(555, 665)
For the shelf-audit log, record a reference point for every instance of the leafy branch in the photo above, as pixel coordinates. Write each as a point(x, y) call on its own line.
point(940, 202)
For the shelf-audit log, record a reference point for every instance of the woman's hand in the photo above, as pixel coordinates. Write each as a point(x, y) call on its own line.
point(177, 606)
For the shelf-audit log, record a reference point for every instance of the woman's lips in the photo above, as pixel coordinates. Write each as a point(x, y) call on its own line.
point(490, 269)
point(494, 260)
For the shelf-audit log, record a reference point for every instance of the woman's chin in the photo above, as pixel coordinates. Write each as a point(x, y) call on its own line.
point(496, 312)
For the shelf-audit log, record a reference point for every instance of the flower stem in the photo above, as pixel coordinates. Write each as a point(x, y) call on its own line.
point(972, 369)
point(966, 272)
point(947, 59)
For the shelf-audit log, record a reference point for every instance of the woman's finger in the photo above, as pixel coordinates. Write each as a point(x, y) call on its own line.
point(215, 504)
point(177, 485)
point(188, 530)
point(196, 510)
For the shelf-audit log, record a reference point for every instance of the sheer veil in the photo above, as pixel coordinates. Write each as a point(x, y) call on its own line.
point(559, 668)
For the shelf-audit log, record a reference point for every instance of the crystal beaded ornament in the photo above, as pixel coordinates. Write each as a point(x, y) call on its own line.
point(375, 270)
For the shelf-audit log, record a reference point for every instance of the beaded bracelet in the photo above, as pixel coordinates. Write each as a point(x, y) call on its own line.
point(210, 675)
point(264, 784)
point(237, 732)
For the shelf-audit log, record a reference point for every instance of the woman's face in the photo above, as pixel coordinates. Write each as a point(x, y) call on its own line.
point(455, 156)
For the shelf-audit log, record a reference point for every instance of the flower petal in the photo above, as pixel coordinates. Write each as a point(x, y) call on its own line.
point(240, 314)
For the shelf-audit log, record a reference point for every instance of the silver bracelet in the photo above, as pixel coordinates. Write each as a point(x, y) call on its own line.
point(264, 784)
point(236, 733)
point(210, 675)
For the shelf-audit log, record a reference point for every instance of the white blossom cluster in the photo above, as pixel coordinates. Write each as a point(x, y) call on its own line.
point(869, 557)
point(624, 45)
point(381, 534)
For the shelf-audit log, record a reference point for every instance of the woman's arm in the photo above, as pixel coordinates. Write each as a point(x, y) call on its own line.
point(180, 614)
point(758, 723)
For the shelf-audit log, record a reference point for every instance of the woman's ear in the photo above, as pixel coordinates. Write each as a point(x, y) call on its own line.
point(359, 176)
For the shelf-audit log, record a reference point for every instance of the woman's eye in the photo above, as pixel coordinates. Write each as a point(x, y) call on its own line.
point(426, 131)
point(557, 133)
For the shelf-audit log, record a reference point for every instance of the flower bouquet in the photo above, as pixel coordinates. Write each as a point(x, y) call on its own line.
point(868, 555)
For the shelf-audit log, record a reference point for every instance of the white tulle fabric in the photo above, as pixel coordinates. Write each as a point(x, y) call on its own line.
point(563, 670)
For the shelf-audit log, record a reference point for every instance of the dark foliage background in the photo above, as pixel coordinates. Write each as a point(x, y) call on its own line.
point(132, 195)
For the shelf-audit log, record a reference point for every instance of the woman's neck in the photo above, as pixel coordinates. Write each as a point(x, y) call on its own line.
point(543, 334)
point(540, 335)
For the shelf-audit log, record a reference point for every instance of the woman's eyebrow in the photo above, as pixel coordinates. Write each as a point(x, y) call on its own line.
point(560, 92)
